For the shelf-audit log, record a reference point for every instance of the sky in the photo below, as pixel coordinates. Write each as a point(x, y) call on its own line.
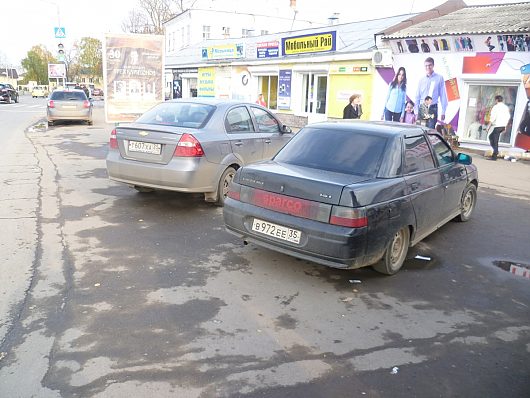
point(32, 22)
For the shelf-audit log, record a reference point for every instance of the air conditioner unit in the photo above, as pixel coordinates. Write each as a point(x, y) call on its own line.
point(382, 58)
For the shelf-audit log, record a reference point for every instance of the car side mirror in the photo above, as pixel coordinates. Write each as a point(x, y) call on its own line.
point(464, 158)
point(286, 129)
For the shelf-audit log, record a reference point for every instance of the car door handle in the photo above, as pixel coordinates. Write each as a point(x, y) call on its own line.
point(239, 143)
point(267, 141)
point(414, 185)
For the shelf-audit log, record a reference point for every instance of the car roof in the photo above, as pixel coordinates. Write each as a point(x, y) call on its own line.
point(375, 127)
point(210, 101)
point(68, 90)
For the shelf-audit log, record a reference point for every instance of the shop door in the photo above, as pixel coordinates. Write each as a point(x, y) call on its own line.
point(315, 89)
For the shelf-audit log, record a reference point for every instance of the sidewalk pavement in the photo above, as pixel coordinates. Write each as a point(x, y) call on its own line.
point(508, 177)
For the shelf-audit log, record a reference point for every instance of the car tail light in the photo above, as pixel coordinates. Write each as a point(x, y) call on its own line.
point(86, 104)
point(188, 146)
point(234, 191)
point(51, 104)
point(348, 217)
point(113, 142)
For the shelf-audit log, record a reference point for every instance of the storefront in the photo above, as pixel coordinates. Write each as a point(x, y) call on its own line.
point(475, 71)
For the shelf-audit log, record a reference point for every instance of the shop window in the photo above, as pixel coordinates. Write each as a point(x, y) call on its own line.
point(314, 93)
point(205, 32)
point(269, 88)
point(481, 99)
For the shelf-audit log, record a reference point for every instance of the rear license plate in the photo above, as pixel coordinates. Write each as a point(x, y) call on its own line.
point(276, 231)
point(145, 147)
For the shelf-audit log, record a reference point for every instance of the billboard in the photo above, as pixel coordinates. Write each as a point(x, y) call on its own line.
point(133, 75)
point(56, 71)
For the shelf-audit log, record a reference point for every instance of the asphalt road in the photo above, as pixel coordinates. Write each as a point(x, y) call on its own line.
point(107, 292)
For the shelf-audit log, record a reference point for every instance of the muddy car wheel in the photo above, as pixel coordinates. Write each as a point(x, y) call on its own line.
point(467, 203)
point(224, 184)
point(395, 253)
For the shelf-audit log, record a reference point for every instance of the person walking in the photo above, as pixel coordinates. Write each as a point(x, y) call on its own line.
point(397, 97)
point(432, 85)
point(499, 117)
point(354, 109)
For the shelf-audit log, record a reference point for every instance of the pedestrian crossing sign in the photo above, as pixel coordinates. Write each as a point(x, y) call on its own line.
point(60, 33)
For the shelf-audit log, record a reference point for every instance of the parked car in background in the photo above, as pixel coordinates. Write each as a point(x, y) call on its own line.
point(97, 92)
point(353, 194)
point(69, 104)
point(193, 145)
point(8, 93)
point(39, 91)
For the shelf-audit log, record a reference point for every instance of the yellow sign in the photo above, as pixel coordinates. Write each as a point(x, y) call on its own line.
point(321, 42)
point(206, 82)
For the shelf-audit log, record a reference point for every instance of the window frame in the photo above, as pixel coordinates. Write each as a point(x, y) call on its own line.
point(406, 172)
point(227, 124)
point(257, 124)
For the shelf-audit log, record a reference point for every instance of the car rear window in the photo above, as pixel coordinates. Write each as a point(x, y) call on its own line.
point(68, 96)
point(341, 151)
point(178, 114)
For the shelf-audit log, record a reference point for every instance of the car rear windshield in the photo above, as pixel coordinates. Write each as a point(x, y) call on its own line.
point(341, 151)
point(68, 96)
point(178, 114)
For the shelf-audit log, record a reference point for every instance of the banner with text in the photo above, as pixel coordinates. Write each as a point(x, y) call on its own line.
point(284, 88)
point(206, 82)
point(312, 43)
point(133, 75)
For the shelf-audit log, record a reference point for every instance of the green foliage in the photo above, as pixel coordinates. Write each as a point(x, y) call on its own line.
point(36, 64)
point(90, 56)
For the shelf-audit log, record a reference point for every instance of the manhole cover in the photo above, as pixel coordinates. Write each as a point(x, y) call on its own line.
point(518, 269)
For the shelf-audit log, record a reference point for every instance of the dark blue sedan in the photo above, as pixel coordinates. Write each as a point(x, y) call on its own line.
point(349, 195)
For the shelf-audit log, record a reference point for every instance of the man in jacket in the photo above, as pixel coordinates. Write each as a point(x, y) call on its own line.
point(500, 116)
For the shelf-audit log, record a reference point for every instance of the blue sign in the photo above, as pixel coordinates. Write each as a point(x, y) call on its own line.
point(60, 33)
point(284, 88)
point(268, 49)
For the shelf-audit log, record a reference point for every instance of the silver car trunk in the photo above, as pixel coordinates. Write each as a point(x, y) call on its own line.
point(148, 143)
point(296, 181)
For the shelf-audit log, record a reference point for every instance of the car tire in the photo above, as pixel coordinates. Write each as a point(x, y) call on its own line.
point(16, 99)
point(141, 189)
point(89, 122)
point(224, 184)
point(9, 99)
point(395, 253)
point(467, 203)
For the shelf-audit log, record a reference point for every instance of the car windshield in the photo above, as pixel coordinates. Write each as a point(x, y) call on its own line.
point(340, 151)
point(68, 96)
point(178, 114)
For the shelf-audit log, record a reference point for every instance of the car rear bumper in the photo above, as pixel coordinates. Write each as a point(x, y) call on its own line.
point(67, 115)
point(326, 244)
point(180, 174)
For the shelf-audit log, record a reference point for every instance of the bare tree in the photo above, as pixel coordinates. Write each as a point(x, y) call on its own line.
point(151, 15)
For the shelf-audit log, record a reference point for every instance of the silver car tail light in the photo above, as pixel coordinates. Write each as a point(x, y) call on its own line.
point(113, 141)
point(188, 146)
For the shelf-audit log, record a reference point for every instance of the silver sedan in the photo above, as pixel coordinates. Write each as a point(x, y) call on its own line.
point(69, 104)
point(193, 145)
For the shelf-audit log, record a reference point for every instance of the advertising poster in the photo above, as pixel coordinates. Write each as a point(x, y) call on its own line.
point(224, 51)
point(268, 49)
point(57, 71)
point(206, 82)
point(451, 88)
point(284, 88)
point(133, 75)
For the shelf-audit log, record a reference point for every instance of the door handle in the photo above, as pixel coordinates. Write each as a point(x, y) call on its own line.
point(414, 185)
point(267, 141)
point(239, 143)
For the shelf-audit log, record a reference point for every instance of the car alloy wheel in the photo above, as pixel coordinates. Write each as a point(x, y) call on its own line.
point(395, 253)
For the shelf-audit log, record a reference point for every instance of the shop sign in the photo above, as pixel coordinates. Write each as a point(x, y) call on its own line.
point(307, 44)
point(451, 87)
point(348, 69)
point(268, 49)
point(225, 51)
point(206, 82)
point(284, 88)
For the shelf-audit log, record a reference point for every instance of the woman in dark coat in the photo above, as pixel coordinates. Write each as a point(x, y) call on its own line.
point(353, 110)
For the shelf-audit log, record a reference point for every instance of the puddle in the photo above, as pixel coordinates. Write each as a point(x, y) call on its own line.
point(519, 269)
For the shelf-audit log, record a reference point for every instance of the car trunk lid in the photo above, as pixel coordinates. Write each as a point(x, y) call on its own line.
point(299, 182)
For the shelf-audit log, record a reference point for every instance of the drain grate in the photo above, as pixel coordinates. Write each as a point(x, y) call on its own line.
point(518, 269)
